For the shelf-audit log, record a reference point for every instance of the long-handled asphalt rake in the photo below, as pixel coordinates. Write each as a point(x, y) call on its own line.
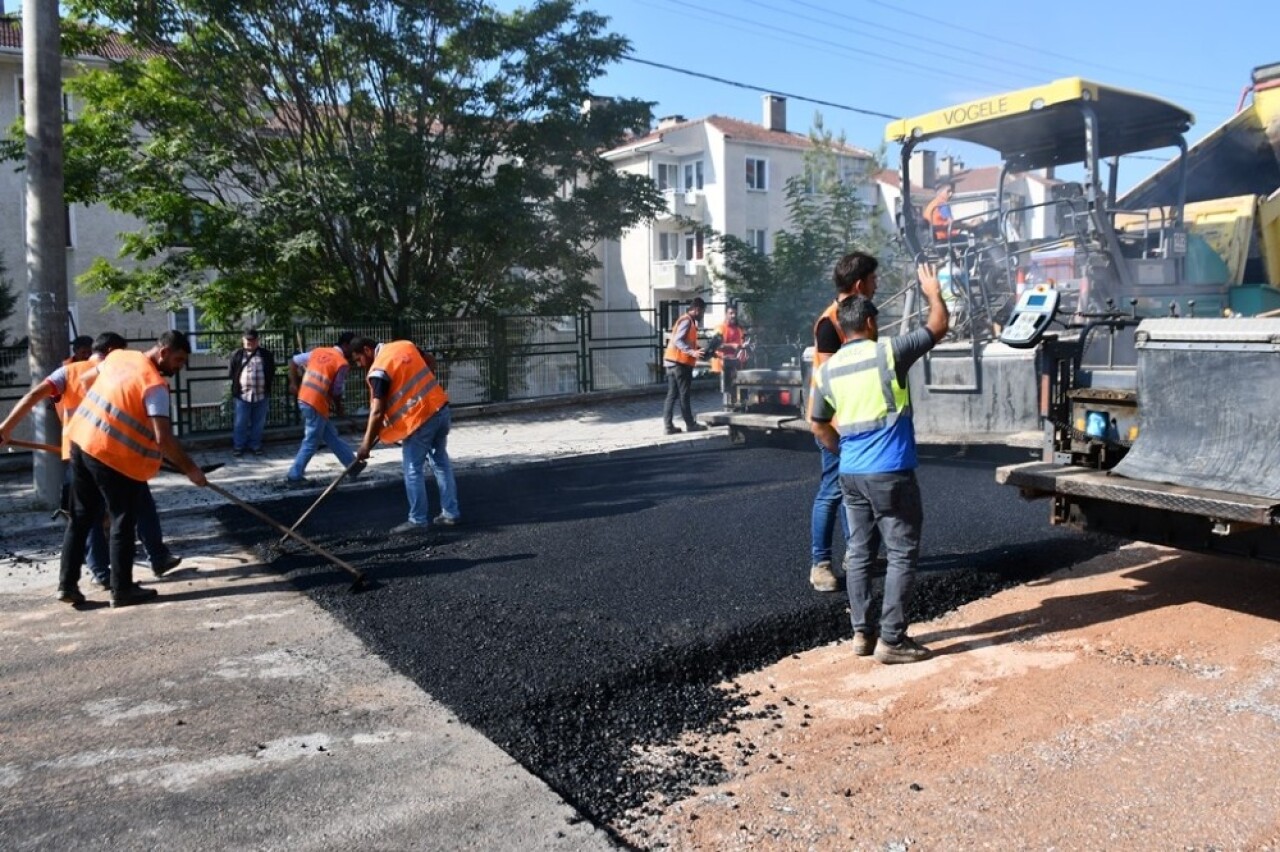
point(358, 585)
point(272, 551)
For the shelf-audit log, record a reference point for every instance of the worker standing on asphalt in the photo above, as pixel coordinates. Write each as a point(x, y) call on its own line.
point(678, 360)
point(119, 435)
point(854, 275)
point(408, 404)
point(730, 354)
point(862, 411)
point(66, 387)
point(317, 377)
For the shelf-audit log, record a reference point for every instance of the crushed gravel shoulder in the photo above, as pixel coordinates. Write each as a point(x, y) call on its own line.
point(1132, 702)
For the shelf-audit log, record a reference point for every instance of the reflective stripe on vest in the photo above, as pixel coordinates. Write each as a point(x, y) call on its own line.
point(112, 424)
point(690, 337)
point(72, 396)
point(323, 365)
point(869, 396)
point(415, 394)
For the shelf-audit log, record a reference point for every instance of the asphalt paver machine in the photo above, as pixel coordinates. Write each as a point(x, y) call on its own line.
point(1156, 341)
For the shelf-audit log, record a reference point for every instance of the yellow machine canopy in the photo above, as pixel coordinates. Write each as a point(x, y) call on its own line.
point(1046, 125)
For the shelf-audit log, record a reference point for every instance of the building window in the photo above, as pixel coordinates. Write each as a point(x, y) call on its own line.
point(693, 176)
point(668, 176)
point(693, 246)
point(757, 239)
point(189, 320)
point(22, 102)
point(757, 173)
point(668, 246)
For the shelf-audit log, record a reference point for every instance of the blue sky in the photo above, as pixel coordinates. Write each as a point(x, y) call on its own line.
point(904, 59)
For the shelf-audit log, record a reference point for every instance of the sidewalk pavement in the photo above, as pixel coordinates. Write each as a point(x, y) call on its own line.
point(234, 712)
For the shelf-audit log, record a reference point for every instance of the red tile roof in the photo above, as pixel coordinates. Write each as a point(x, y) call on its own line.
point(745, 131)
point(115, 48)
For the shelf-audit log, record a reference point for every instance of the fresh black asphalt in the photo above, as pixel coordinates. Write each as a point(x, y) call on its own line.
point(589, 607)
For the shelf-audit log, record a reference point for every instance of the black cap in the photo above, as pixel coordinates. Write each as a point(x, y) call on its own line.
point(346, 337)
point(251, 333)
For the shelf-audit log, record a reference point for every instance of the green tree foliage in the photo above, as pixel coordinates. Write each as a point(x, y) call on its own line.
point(829, 217)
point(354, 159)
point(8, 301)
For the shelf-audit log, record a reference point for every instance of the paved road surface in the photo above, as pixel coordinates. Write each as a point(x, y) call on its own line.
point(588, 608)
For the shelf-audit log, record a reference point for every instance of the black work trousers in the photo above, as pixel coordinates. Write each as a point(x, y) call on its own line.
point(679, 383)
point(95, 490)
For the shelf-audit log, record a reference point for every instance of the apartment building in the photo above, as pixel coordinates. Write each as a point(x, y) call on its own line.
point(723, 173)
point(92, 231)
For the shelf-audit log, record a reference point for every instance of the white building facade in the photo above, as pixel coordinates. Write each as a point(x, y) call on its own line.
point(724, 174)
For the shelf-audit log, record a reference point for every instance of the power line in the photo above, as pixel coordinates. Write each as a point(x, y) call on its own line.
point(917, 14)
point(748, 86)
point(862, 54)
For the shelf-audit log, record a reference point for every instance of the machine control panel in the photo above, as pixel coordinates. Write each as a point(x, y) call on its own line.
point(1035, 309)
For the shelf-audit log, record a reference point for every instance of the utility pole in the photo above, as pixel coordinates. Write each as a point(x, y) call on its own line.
point(46, 225)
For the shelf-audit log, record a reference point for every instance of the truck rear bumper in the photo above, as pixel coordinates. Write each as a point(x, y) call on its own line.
point(1043, 479)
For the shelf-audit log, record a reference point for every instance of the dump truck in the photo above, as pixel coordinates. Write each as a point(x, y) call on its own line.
point(1151, 358)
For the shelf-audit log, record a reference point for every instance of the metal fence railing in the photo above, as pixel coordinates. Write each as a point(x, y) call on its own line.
point(479, 361)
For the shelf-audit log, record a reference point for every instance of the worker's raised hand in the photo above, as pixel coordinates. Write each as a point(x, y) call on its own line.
point(362, 451)
point(197, 477)
point(929, 283)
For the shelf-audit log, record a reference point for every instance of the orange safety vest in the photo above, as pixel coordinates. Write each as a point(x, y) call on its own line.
point(112, 423)
point(732, 336)
point(691, 337)
point(415, 394)
point(820, 358)
point(933, 216)
point(323, 365)
point(831, 313)
point(72, 396)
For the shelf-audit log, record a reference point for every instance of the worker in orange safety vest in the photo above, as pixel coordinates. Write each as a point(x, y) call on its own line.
point(318, 378)
point(408, 404)
point(731, 354)
point(681, 354)
point(119, 434)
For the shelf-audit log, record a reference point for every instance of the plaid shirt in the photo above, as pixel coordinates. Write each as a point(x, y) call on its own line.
point(253, 378)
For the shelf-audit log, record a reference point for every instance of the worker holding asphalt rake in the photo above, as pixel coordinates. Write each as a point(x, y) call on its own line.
point(409, 405)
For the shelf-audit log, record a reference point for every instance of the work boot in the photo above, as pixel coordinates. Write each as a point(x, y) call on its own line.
point(165, 564)
point(445, 520)
point(135, 594)
point(408, 528)
point(672, 430)
point(71, 596)
point(863, 643)
point(695, 427)
point(907, 650)
point(823, 577)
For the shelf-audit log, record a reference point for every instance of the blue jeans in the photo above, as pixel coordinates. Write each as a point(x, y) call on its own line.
point(890, 504)
point(148, 523)
point(826, 508)
point(314, 430)
point(250, 420)
point(428, 445)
